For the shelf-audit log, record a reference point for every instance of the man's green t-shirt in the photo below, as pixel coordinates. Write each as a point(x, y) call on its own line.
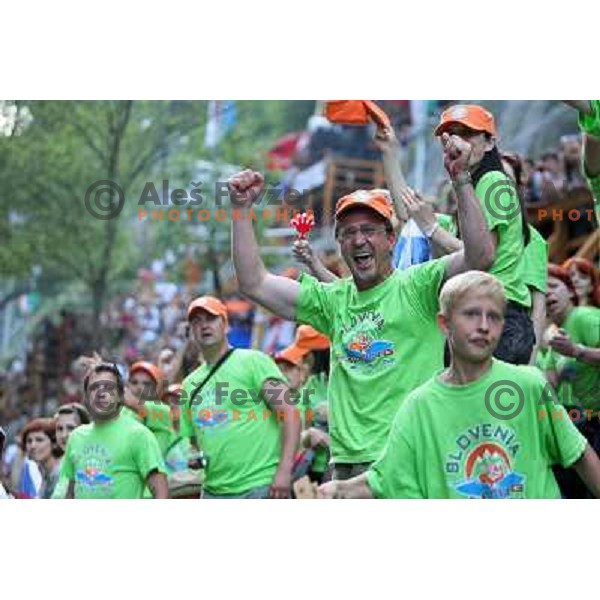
point(500, 204)
point(111, 460)
point(582, 381)
point(445, 442)
point(384, 343)
point(239, 437)
point(157, 417)
point(535, 262)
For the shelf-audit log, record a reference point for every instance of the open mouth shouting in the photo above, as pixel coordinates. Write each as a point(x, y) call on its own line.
point(364, 260)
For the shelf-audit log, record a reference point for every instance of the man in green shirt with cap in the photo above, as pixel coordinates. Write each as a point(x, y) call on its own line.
point(381, 322)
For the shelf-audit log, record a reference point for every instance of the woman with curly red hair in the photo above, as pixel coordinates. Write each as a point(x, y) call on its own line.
point(586, 280)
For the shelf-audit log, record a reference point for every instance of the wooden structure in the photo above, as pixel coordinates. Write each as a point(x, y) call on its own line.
point(346, 175)
point(559, 216)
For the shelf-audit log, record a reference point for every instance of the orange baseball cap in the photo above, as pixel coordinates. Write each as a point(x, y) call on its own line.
point(210, 304)
point(469, 115)
point(310, 339)
point(307, 339)
point(147, 367)
point(356, 112)
point(376, 200)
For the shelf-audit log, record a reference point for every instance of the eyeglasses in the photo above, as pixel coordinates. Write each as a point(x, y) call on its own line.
point(102, 385)
point(367, 231)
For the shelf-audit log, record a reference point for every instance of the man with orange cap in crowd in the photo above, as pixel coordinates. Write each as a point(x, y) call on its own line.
point(237, 409)
point(305, 363)
point(381, 322)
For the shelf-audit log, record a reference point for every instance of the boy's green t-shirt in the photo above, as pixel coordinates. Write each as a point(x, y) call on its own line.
point(239, 437)
point(582, 385)
point(535, 262)
point(445, 442)
point(111, 460)
point(500, 204)
point(384, 343)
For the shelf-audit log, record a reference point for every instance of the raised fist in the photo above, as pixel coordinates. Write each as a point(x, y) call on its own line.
point(245, 187)
point(302, 252)
point(457, 153)
point(385, 139)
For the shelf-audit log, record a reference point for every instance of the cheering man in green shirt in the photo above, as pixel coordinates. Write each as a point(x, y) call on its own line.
point(482, 428)
point(381, 322)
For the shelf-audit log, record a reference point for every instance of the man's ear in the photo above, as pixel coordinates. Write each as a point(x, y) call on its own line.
point(490, 143)
point(442, 323)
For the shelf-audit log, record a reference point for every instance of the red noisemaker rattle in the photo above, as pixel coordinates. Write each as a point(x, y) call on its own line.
point(303, 223)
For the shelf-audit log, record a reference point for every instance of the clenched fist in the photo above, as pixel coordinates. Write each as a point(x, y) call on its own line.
point(457, 153)
point(245, 187)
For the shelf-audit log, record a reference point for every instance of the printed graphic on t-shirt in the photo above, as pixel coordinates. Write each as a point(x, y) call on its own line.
point(93, 473)
point(362, 344)
point(209, 416)
point(481, 464)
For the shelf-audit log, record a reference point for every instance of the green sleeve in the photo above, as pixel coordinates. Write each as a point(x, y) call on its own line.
point(315, 304)
point(423, 284)
point(498, 198)
point(563, 443)
point(146, 453)
point(395, 473)
point(263, 368)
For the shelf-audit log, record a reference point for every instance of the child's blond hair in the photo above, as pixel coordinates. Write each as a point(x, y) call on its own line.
point(457, 287)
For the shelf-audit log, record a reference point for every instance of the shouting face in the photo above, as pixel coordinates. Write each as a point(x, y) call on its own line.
point(366, 246)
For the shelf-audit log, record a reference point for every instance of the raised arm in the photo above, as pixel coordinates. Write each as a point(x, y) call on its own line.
point(303, 253)
point(422, 212)
point(278, 294)
point(479, 246)
point(387, 142)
